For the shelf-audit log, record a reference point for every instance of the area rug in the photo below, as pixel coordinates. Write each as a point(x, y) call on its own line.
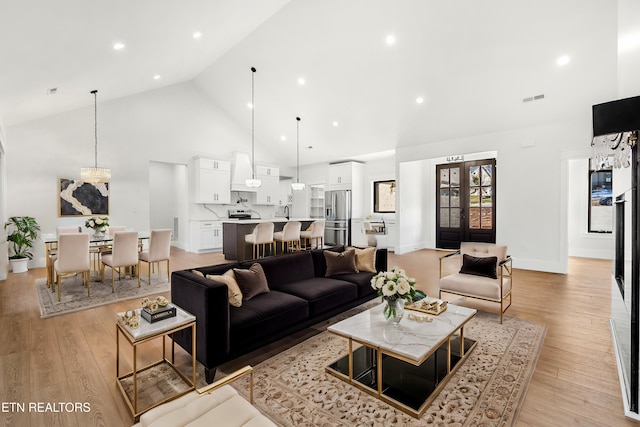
point(74, 293)
point(293, 389)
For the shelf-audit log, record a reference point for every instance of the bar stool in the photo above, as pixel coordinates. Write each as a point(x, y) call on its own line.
point(314, 234)
point(289, 237)
point(261, 236)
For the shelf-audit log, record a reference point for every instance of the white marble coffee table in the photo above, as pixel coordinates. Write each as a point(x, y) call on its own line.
point(407, 365)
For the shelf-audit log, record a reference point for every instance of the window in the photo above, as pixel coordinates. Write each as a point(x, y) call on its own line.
point(600, 201)
point(384, 196)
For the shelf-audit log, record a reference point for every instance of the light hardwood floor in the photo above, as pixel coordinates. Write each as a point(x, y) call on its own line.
point(71, 358)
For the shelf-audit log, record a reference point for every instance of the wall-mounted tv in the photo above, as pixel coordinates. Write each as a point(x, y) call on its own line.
point(616, 116)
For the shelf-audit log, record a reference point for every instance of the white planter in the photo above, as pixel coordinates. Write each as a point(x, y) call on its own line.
point(19, 265)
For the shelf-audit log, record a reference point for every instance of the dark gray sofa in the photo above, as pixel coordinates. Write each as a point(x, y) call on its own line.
point(300, 295)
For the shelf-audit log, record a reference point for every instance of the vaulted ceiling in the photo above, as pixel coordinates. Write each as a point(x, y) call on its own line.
point(472, 63)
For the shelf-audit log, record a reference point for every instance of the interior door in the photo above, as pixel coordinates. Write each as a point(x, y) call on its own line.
point(465, 203)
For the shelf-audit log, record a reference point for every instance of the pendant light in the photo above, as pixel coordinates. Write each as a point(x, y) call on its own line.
point(253, 182)
point(95, 174)
point(297, 186)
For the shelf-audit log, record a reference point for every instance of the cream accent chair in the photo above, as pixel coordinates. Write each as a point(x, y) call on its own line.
point(314, 235)
point(159, 250)
point(124, 254)
point(261, 237)
point(73, 257)
point(480, 287)
point(115, 228)
point(217, 404)
point(289, 237)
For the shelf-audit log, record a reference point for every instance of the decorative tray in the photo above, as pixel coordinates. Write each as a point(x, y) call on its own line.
point(434, 307)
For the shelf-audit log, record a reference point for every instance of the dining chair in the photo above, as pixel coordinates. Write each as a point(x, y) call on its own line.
point(315, 234)
point(73, 257)
point(261, 236)
point(52, 253)
point(124, 254)
point(289, 237)
point(159, 250)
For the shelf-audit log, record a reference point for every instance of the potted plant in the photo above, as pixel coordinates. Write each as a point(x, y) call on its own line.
point(22, 232)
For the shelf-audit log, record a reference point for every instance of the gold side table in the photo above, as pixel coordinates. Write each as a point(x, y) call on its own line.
point(128, 382)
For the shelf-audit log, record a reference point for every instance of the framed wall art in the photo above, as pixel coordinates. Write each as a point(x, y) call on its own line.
point(80, 198)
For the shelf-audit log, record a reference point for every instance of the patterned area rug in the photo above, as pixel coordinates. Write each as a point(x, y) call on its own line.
point(74, 293)
point(293, 389)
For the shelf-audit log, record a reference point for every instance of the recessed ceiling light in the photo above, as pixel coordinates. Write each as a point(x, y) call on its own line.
point(249, 105)
point(197, 35)
point(52, 91)
point(563, 60)
point(156, 77)
point(118, 46)
point(301, 81)
point(391, 39)
point(283, 138)
point(419, 100)
point(335, 124)
point(309, 147)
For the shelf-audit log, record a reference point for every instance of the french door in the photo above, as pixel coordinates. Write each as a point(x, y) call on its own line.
point(465, 203)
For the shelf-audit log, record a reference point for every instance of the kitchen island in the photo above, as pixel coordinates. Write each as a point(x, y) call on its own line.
point(234, 230)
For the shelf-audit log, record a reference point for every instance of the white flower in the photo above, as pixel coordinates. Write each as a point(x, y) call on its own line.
point(403, 286)
point(98, 221)
point(389, 288)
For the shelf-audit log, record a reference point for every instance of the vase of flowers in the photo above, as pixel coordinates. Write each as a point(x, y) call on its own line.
point(98, 225)
point(396, 289)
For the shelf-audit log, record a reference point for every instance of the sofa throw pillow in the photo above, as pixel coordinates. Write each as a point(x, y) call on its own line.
point(229, 279)
point(484, 266)
point(366, 259)
point(340, 262)
point(252, 281)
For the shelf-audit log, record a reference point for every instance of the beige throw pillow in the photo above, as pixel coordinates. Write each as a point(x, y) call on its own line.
point(340, 262)
point(229, 279)
point(366, 259)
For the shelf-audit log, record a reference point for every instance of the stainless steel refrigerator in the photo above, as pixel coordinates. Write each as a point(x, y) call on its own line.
point(337, 228)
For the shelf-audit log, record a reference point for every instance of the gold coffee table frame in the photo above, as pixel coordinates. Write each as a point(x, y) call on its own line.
point(379, 352)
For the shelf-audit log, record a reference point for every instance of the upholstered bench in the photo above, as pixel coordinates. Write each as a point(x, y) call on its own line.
point(217, 404)
point(485, 274)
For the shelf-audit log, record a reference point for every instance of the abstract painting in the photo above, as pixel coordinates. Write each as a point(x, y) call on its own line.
point(80, 198)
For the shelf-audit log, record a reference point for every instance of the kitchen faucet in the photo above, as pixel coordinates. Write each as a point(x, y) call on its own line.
point(286, 210)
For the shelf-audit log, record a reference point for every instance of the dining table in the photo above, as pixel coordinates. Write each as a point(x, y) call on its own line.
point(97, 245)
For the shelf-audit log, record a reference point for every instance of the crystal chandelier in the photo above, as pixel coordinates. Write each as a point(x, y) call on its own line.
point(95, 174)
point(297, 186)
point(253, 182)
point(613, 150)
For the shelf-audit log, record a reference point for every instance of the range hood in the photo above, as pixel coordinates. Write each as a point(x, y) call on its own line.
point(241, 171)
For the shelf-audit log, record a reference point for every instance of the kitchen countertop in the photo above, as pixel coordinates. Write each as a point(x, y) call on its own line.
point(257, 220)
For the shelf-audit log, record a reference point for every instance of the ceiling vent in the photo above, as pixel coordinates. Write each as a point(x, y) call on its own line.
point(533, 98)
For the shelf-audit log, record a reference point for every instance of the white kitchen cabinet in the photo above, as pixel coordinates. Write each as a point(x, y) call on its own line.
point(206, 236)
point(340, 176)
point(212, 181)
point(268, 192)
point(392, 234)
point(349, 176)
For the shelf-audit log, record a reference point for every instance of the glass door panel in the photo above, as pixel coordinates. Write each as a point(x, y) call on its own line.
point(465, 203)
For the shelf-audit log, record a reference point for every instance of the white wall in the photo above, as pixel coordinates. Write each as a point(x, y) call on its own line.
point(171, 125)
point(581, 242)
point(413, 216)
point(531, 187)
